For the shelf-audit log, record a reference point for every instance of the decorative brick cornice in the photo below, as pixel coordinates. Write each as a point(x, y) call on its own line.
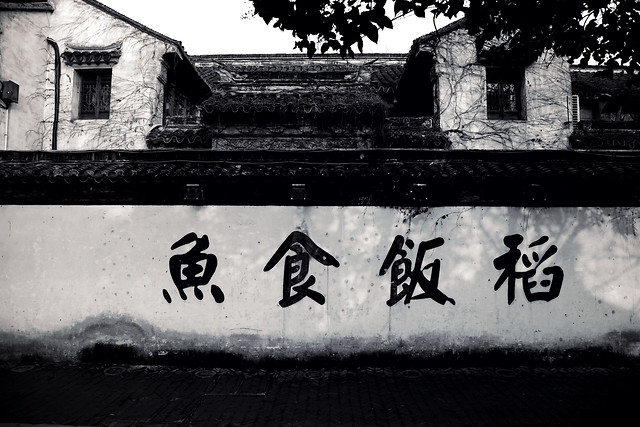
point(358, 99)
point(92, 55)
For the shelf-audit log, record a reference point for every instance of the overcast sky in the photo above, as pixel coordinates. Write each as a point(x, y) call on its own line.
point(218, 26)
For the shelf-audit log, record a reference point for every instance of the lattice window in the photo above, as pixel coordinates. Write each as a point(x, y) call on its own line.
point(95, 94)
point(504, 93)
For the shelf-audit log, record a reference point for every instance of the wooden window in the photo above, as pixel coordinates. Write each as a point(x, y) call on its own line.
point(95, 94)
point(504, 93)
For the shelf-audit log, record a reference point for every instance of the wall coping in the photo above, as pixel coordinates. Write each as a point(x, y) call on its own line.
point(385, 177)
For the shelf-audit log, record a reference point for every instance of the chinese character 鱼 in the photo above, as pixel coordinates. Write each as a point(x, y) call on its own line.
point(193, 268)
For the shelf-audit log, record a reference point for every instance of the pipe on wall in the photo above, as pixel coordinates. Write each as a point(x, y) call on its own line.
point(56, 112)
point(6, 130)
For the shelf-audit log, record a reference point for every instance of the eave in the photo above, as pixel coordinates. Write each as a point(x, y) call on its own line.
point(43, 6)
point(380, 177)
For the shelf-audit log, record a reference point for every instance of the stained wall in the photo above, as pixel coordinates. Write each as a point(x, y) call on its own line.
point(462, 100)
point(73, 276)
point(137, 92)
point(23, 59)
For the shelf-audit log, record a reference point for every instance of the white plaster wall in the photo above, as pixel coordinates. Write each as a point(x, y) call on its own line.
point(136, 95)
point(74, 275)
point(23, 60)
point(27, 59)
point(463, 104)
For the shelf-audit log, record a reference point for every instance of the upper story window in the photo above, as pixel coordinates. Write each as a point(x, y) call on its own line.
point(504, 93)
point(92, 86)
point(95, 94)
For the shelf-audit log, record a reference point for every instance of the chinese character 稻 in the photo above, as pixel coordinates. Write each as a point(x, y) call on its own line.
point(507, 262)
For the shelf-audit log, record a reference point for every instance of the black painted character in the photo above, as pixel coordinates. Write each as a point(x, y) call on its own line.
point(402, 271)
point(193, 268)
point(296, 268)
point(508, 261)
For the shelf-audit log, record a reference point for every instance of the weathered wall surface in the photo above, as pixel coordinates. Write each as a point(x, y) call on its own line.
point(462, 100)
point(27, 59)
point(136, 92)
point(23, 60)
point(73, 276)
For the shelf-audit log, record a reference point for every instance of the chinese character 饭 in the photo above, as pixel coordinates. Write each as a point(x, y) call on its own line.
point(404, 274)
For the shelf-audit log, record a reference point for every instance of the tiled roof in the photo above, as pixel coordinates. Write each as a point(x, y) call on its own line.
point(134, 23)
point(414, 132)
point(267, 136)
point(296, 83)
point(333, 177)
point(295, 71)
point(210, 74)
point(184, 136)
point(589, 82)
point(75, 57)
point(293, 68)
point(606, 139)
point(188, 66)
point(438, 32)
point(326, 58)
point(93, 55)
point(350, 99)
point(27, 5)
point(386, 77)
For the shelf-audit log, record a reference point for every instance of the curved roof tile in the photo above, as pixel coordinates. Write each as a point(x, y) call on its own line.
point(186, 136)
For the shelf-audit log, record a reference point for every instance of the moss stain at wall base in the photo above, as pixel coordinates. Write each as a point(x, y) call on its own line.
point(122, 341)
point(107, 353)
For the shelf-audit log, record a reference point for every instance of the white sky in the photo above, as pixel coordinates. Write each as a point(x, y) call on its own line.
point(218, 27)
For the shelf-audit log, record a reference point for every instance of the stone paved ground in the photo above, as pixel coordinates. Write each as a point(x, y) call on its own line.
point(128, 395)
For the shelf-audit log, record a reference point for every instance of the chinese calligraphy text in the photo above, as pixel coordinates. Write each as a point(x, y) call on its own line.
point(507, 262)
point(296, 268)
point(193, 268)
point(407, 275)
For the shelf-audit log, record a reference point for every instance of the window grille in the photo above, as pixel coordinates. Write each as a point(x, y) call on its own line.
point(504, 94)
point(95, 94)
point(575, 108)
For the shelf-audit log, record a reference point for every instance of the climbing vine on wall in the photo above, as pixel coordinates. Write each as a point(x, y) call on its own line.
point(136, 94)
point(604, 31)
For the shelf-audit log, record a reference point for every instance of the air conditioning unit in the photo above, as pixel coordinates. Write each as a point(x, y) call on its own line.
point(9, 91)
point(574, 108)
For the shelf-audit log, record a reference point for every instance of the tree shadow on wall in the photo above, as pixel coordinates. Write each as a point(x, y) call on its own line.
point(599, 252)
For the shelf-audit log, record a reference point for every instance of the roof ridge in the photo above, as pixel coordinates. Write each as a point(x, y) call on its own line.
point(135, 23)
point(439, 32)
point(331, 56)
point(177, 43)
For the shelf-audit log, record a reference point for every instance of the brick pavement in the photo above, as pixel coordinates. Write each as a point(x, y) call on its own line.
point(129, 395)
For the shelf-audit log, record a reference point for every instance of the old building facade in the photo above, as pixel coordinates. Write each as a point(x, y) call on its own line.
point(443, 94)
point(416, 204)
point(89, 77)
point(491, 103)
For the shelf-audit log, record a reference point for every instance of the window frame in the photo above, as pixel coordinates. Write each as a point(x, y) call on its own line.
point(505, 77)
point(101, 77)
